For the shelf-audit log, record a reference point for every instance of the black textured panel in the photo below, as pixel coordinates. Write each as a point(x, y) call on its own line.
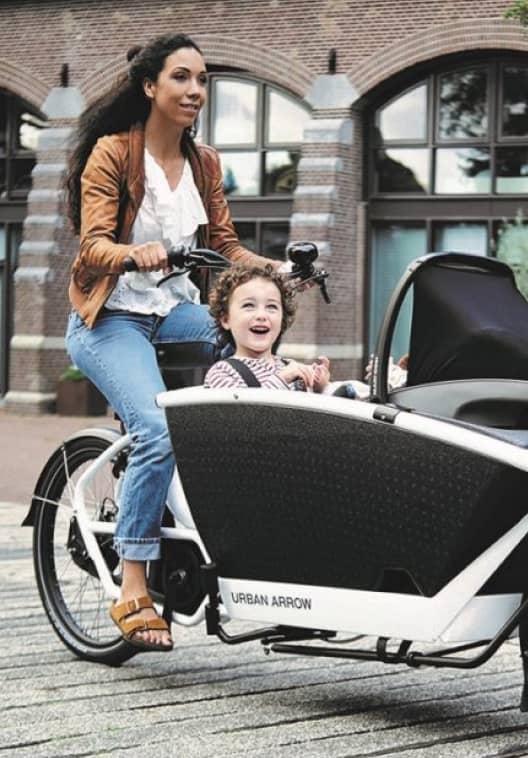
point(307, 497)
point(467, 324)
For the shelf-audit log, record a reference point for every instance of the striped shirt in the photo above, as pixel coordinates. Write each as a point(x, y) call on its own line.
point(222, 374)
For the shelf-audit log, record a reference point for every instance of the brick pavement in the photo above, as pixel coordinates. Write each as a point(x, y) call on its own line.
point(207, 699)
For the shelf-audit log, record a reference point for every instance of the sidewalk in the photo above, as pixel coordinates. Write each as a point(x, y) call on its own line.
point(207, 699)
point(26, 442)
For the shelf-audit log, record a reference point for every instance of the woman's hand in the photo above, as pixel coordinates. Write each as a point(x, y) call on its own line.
point(151, 256)
point(321, 373)
point(294, 371)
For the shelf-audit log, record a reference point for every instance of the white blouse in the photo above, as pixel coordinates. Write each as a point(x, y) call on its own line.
point(164, 214)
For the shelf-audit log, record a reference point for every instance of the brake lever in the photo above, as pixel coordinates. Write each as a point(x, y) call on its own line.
point(202, 260)
point(322, 286)
point(305, 276)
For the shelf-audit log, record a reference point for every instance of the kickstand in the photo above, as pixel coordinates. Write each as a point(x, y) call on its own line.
point(523, 643)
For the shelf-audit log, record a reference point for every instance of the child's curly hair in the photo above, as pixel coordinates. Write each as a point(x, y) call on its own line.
point(227, 283)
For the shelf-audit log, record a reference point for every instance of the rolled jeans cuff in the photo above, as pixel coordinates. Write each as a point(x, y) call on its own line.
point(138, 550)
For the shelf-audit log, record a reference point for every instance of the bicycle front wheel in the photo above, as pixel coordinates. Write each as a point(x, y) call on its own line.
point(68, 584)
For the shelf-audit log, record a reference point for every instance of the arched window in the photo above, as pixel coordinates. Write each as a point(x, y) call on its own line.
point(257, 129)
point(19, 128)
point(448, 162)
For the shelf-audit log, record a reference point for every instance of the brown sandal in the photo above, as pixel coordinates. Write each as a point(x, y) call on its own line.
point(120, 614)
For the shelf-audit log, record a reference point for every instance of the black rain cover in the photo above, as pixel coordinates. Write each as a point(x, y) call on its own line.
point(467, 324)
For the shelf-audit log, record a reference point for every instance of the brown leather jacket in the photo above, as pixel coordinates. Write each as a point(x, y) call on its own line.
point(112, 189)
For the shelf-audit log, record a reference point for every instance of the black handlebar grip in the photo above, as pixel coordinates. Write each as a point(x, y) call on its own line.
point(129, 264)
point(175, 258)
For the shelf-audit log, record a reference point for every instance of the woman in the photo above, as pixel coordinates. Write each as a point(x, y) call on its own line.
point(136, 178)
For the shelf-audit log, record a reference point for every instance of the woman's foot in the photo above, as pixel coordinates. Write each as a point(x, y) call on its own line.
point(140, 625)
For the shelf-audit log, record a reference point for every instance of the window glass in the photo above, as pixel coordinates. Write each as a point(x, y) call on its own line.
point(21, 169)
point(3, 122)
point(258, 130)
point(403, 170)
point(394, 246)
point(281, 172)
point(247, 234)
point(464, 161)
point(286, 119)
point(461, 237)
point(2, 243)
point(464, 170)
point(275, 238)
point(405, 117)
point(463, 107)
point(241, 173)
point(235, 112)
point(515, 101)
point(15, 240)
point(3, 179)
point(512, 169)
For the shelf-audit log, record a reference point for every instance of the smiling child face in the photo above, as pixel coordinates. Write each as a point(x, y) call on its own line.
point(254, 318)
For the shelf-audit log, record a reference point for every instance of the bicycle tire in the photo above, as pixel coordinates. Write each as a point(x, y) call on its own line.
point(69, 588)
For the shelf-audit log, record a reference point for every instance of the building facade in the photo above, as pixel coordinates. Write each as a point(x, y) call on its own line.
point(379, 130)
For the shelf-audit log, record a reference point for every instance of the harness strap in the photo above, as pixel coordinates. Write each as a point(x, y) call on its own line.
point(245, 372)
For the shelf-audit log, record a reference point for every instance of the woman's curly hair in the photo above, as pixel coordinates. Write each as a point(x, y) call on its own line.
point(227, 283)
point(124, 105)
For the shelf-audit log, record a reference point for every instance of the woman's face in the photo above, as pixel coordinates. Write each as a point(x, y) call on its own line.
point(254, 318)
point(180, 89)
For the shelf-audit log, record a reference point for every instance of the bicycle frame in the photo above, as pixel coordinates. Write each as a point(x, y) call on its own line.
point(176, 502)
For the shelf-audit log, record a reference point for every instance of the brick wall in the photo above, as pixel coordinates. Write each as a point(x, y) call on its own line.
point(39, 35)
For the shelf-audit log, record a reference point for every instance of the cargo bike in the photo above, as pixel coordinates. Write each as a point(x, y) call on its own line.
point(399, 537)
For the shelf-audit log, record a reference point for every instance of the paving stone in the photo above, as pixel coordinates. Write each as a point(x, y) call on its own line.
point(207, 699)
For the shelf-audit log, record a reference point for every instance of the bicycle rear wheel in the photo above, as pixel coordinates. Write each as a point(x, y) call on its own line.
point(70, 590)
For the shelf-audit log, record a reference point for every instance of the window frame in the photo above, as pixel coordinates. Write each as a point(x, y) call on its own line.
point(432, 209)
point(15, 106)
point(260, 209)
point(262, 145)
point(13, 209)
point(494, 141)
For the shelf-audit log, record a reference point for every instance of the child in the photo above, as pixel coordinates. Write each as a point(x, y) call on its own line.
point(252, 308)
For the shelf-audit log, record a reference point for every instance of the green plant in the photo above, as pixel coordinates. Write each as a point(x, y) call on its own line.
point(512, 248)
point(72, 373)
point(518, 10)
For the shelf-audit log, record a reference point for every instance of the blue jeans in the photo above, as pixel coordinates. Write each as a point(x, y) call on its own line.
point(119, 357)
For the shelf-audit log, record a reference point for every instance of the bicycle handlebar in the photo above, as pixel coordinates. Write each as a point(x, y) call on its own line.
point(302, 255)
point(184, 258)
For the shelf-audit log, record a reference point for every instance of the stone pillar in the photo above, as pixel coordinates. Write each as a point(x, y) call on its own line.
point(327, 210)
point(37, 355)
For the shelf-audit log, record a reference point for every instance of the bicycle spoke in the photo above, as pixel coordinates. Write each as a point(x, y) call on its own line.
point(69, 484)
